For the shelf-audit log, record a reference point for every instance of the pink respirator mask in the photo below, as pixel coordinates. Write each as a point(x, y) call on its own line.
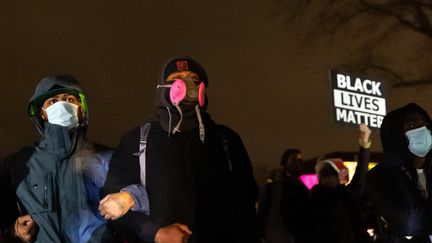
point(178, 91)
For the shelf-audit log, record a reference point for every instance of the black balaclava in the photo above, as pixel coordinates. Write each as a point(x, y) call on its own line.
point(394, 142)
point(183, 117)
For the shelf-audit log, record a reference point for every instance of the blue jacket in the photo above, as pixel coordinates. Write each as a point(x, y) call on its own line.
point(58, 185)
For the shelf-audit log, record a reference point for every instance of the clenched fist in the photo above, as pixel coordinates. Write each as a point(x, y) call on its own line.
point(174, 233)
point(25, 228)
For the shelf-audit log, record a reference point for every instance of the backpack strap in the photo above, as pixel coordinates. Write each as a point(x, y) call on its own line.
point(144, 132)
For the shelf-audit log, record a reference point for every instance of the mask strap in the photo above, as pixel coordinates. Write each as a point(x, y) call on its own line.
point(177, 127)
point(169, 122)
point(164, 86)
point(201, 125)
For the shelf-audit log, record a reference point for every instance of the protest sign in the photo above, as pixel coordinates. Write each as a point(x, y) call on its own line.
point(357, 99)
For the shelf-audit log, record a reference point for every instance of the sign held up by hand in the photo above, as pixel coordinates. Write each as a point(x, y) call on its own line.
point(357, 99)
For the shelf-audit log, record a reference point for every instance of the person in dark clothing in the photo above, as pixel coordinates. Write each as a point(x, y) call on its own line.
point(197, 174)
point(283, 210)
point(400, 186)
point(291, 163)
point(336, 207)
point(51, 190)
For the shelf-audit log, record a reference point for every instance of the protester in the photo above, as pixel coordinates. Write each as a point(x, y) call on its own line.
point(50, 191)
point(197, 174)
point(400, 186)
point(283, 209)
point(337, 208)
point(291, 163)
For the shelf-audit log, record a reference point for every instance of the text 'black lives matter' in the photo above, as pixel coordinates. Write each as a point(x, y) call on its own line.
point(357, 99)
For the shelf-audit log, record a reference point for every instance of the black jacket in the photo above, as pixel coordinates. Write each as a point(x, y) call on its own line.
point(283, 211)
point(393, 188)
point(189, 182)
point(339, 214)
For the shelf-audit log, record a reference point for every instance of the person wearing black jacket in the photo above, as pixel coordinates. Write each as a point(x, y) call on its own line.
point(400, 186)
point(338, 208)
point(283, 209)
point(197, 175)
point(50, 191)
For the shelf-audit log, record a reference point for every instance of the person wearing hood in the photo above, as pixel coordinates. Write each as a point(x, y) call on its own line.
point(399, 187)
point(51, 190)
point(339, 209)
point(197, 174)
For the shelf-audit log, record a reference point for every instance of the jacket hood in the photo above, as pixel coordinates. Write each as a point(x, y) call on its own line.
point(393, 140)
point(50, 86)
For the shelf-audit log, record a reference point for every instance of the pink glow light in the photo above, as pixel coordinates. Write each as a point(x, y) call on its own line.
point(309, 180)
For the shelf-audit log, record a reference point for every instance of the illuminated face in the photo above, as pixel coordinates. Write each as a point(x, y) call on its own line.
point(60, 97)
point(191, 80)
point(417, 135)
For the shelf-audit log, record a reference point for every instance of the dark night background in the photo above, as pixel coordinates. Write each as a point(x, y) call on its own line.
point(266, 81)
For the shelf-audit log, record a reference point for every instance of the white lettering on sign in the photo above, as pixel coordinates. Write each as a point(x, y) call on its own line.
point(356, 117)
point(355, 101)
point(358, 100)
point(367, 86)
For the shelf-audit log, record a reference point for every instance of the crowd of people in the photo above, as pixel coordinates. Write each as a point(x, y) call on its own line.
point(330, 212)
point(181, 177)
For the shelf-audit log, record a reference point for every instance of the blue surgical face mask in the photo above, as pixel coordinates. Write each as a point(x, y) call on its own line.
point(63, 113)
point(420, 141)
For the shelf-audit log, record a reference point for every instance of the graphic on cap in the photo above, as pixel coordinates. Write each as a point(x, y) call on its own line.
point(182, 65)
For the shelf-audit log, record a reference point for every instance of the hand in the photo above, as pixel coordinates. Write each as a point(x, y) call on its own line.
point(364, 133)
point(115, 205)
point(25, 228)
point(174, 233)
